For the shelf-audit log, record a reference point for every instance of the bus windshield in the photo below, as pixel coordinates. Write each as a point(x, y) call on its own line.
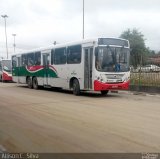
point(6, 64)
point(112, 59)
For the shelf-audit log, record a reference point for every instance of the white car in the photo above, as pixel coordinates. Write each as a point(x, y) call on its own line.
point(149, 68)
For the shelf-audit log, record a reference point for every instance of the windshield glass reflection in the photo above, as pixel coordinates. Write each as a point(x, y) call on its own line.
point(6, 65)
point(112, 59)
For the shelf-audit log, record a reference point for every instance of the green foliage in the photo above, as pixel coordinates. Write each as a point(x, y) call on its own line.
point(158, 53)
point(137, 43)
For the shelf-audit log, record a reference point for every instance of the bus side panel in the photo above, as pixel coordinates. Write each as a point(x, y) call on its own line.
point(76, 71)
point(40, 81)
point(15, 79)
point(61, 79)
point(18, 75)
point(65, 73)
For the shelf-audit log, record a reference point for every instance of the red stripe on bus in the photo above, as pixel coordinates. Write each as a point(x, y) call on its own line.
point(99, 86)
point(6, 77)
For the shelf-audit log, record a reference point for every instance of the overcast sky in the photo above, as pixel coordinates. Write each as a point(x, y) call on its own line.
point(41, 22)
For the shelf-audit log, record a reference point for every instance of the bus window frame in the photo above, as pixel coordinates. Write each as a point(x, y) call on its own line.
point(58, 53)
point(74, 50)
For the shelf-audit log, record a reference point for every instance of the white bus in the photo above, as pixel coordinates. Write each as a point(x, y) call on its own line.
point(100, 64)
point(5, 70)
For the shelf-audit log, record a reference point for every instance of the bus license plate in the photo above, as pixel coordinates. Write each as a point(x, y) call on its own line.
point(114, 86)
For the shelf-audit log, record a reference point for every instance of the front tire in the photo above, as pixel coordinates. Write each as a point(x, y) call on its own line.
point(35, 83)
point(104, 92)
point(76, 87)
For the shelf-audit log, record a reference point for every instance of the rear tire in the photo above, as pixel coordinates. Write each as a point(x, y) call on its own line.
point(76, 87)
point(29, 83)
point(35, 83)
point(104, 92)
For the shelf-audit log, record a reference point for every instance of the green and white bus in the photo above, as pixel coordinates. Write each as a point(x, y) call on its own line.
point(100, 64)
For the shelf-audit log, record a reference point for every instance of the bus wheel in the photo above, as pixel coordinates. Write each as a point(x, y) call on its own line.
point(29, 82)
point(76, 87)
point(35, 83)
point(104, 92)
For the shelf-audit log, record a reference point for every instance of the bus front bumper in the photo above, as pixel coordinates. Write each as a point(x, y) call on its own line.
point(6, 77)
point(99, 86)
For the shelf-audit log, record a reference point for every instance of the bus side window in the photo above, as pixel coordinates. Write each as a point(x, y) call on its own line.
point(24, 60)
point(74, 54)
point(37, 58)
point(52, 57)
point(30, 58)
point(14, 61)
point(60, 56)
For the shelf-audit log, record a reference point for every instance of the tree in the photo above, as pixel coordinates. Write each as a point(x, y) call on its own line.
point(158, 53)
point(137, 45)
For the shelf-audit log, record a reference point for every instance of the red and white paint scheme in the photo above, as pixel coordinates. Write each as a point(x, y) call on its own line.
point(5, 70)
point(99, 64)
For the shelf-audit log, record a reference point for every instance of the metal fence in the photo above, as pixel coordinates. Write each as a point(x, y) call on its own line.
point(146, 74)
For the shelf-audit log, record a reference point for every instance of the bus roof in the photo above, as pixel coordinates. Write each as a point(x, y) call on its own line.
point(84, 41)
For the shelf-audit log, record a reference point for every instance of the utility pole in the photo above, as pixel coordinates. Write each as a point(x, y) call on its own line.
point(83, 20)
point(14, 44)
point(5, 16)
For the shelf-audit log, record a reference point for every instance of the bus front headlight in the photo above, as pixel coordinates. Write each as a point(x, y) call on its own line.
point(99, 78)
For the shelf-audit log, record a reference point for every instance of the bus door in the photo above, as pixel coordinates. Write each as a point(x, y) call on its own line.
point(45, 60)
point(88, 62)
point(18, 68)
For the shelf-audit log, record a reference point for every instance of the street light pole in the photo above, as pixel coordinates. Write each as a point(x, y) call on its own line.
point(5, 16)
point(14, 44)
point(83, 20)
